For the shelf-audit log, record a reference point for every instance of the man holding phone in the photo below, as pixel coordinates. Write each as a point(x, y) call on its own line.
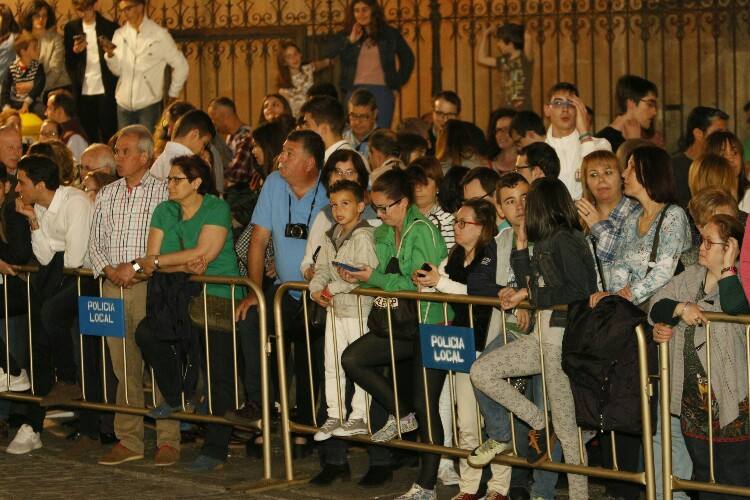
point(138, 53)
point(93, 83)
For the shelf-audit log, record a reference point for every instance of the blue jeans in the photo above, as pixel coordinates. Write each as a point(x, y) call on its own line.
point(19, 347)
point(682, 464)
point(497, 427)
point(147, 116)
point(385, 99)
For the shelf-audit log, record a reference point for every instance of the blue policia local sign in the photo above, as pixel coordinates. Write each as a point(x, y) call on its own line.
point(101, 317)
point(447, 347)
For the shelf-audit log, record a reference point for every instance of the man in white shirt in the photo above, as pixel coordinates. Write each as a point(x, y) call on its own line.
point(569, 133)
point(93, 82)
point(138, 53)
point(60, 221)
point(192, 134)
point(326, 117)
point(61, 108)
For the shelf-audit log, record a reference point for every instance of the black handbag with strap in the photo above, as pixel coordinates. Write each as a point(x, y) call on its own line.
point(403, 313)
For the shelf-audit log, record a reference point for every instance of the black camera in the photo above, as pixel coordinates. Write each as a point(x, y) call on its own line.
point(297, 231)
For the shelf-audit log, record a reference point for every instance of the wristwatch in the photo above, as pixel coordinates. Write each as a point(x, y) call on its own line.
point(136, 266)
point(156, 262)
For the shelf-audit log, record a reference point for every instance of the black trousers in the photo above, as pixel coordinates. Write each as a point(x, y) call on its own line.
point(362, 361)
point(17, 306)
point(95, 363)
point(98, 115)
point(731, 465)
point(629, 458)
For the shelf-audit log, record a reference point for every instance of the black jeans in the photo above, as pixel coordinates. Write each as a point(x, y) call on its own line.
point(731, 465)
point(98, 114)
point(362, 360)
point(16, 307)
point(629, 458)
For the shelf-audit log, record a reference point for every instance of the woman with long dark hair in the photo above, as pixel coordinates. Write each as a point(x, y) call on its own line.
point(561, 271)
point(370, 49)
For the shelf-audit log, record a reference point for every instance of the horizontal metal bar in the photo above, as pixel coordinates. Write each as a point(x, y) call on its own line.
point(685, 484)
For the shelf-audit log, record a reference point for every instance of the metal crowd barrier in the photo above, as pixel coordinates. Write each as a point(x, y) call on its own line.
point(645, 478)
point(26, 271)
point(672, 483)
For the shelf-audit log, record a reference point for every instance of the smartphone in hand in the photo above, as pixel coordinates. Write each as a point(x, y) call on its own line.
point(80, 37)
point(346, 267)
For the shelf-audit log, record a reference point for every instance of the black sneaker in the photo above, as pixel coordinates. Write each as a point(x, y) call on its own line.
point(376, 476)
point(538, 445)
point(331, 473)
point(247, 416)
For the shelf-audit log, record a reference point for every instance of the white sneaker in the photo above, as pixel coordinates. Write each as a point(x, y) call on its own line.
point(26, 440)
point(484, 454)
point(326, 430)
point(447, 474)
point(390, 429)
point(18, 383)
point(351, 427)
point(417, 493)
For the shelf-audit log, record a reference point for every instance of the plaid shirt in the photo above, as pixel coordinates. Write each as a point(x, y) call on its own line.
point(240, 167)
point(122, 217)
point(607, 233)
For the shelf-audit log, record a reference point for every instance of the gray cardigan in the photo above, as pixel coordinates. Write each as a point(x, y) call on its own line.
point(728, 360)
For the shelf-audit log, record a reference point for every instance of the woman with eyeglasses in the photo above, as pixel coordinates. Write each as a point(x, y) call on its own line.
point(502, 151)
point(677, 313)
point(404, 243)
point(475, 230)
point(190, 234)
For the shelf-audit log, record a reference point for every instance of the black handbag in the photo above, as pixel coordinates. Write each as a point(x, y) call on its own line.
point(404, 318)
point(219, 310)
point(316, 314)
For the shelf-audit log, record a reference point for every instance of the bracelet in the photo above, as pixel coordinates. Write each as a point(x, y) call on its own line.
point(584, 136)
point(730, 269)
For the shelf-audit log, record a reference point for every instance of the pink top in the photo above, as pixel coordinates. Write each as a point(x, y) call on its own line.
point(369, 71)
point(745, 261)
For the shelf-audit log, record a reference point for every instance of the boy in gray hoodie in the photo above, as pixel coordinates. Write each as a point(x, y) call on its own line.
point(350, 242)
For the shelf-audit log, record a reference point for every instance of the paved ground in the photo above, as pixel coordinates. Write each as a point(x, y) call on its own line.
point(59, 471)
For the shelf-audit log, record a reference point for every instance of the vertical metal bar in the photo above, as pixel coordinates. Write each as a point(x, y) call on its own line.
point(309, 358)
point(393, 366)
point(424, 380)
point(648, 440)
point(31, 345)
point(452, 382)
point(362, 332)
point(153, 389)
point(286, 438)
point(510, 414)
point(666, 419)
point(613, 444)
point(125, 357)
point(580, 446)
point(711, 469)
point(7, 331)
point(337, 361)
point(544, 381)
point(80, 344)
point(232, 289)
point(102, 343)
point(208, 351)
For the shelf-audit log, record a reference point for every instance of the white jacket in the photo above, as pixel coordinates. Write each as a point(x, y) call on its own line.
point(139, 61)
point(571, 152)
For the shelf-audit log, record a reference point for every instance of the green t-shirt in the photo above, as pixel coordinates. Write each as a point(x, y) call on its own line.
point(183, 234)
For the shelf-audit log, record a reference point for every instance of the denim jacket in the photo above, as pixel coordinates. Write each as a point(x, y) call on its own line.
point(561, 271)
point(391, 44)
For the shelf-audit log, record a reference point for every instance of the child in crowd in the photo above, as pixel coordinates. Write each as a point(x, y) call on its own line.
point(349, 242)
point(515, 63)
point(561, 271)
point(24, 81)
point(295, 78)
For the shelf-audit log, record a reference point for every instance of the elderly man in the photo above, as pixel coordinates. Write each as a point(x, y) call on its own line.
point(119, 231)
point(11, 150)
point(138, 53)
point(97, 157)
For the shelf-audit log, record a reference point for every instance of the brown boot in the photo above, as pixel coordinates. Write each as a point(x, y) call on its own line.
point(119, 455)
point(61, 393)
point(166, 455)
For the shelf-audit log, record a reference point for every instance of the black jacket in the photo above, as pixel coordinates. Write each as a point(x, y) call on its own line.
point(76, 63)
point(391, 44)
point(564, 263)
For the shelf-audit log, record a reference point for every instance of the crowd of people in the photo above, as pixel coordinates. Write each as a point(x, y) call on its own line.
point(325, 189)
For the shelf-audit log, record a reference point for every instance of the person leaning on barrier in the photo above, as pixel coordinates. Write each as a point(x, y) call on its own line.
point(289, 201)
point(677, 313)
point(561, 271)
point(190, 234)
point(403, 244)
point(60, 220)
point(475, 227)
point(15, 249)
point(119, 232)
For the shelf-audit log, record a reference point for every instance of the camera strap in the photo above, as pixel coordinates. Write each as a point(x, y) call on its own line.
point(312, 205)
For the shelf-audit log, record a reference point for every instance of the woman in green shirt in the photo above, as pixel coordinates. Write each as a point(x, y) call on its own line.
point(190, 234)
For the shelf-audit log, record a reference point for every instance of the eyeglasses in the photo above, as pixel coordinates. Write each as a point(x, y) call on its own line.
point(651, 103)
point(48, 133)
point(502, 130)
point(520, 167)
point(383, 209)
point(357, 117)
point(477, 198)
point(708, 243)
point(176, 180)
point(461, 223)
point(345, 173)
point(443, 114)
point(561, 103)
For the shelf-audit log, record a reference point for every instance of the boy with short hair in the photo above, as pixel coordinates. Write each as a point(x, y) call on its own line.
point(515, 63)
point(25, 79)
point(349, 242)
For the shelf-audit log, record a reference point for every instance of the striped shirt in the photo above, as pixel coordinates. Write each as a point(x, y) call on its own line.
point(122, 216)
point(444, 222)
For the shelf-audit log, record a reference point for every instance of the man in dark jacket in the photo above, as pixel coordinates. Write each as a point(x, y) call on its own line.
point(93, 82)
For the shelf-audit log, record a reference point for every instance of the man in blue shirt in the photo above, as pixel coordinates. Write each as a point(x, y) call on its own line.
point(287, 205)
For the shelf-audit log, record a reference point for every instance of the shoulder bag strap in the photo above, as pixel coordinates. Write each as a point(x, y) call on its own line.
point(655, 246)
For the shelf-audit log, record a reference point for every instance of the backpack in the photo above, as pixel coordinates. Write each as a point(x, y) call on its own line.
point(600, 357)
